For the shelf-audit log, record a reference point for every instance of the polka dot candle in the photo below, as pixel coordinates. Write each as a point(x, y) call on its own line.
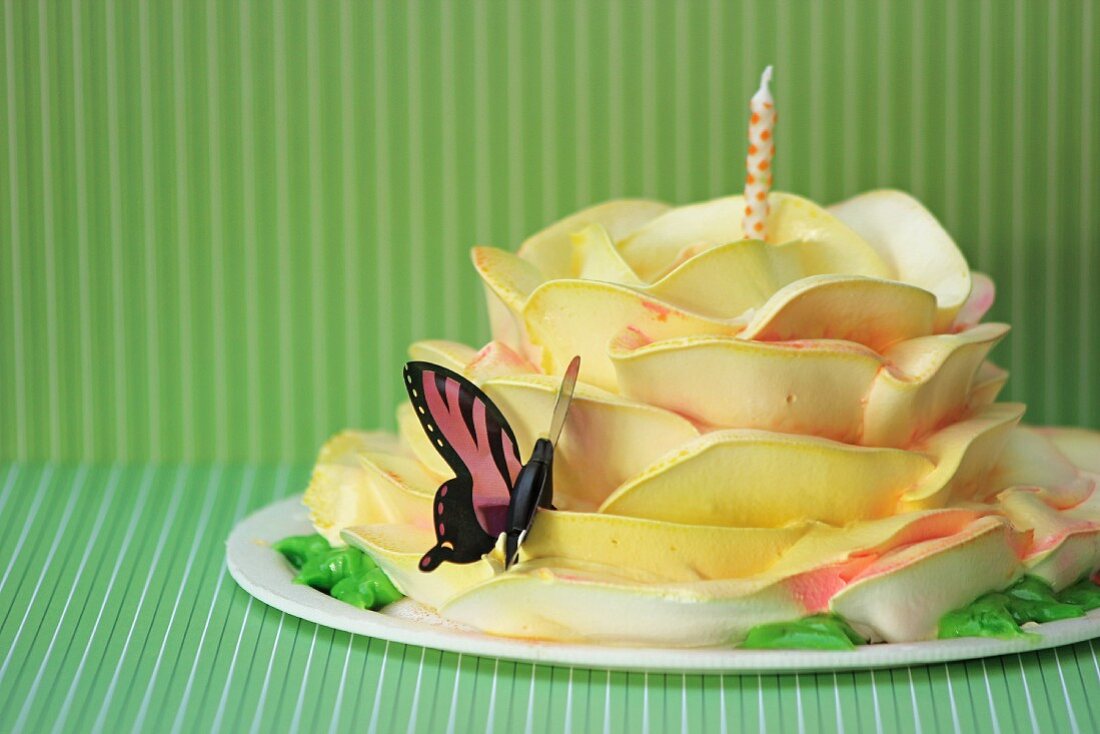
point(758, 162)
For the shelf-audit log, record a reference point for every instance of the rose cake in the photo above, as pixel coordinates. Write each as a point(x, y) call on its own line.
point(766, 433)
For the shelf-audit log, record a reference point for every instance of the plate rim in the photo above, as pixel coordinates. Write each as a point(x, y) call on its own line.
point(263, 574)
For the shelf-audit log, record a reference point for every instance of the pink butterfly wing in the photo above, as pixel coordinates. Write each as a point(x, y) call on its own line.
point(471, 435)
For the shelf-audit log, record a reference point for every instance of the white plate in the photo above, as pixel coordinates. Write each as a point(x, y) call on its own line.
point(264, 574)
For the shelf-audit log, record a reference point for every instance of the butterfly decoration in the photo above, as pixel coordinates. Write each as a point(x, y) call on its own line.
point(492, 491)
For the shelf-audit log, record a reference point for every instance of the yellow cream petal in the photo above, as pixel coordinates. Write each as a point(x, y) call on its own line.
point(573, 317)
point(727, 280)
point(406, 475)
point(669, 551)
point(1076, 556)
point(964, 454)
point(595, 258)
point(347, 446)
point(496, 359)
point(1032, 460)
point(840, 250)
point(759, 479)
point(510, 277)
point(397, 549)
point(928, 385)
point(338, 495)
point(1079, 445)
point(870, 311)
point(550, 250)
point(383, 488)
point(910, 239)
point(567, 604)
point(412, 434)
point(827, 545)
point(988, 383)
point(810, 387)
point(982, 294)
point(903, 595)
point(1064, 548)
point(452, 355)
point(606, 439)
point(509, 281)
point(668, 240)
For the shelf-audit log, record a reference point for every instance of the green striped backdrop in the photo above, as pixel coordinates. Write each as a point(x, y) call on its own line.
point(222, 222)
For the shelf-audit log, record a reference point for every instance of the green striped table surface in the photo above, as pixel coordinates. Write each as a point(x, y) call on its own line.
point(117, 613)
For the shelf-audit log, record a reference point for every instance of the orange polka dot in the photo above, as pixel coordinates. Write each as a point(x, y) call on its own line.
point(760, 195)
point(755, 119)
point(763, 165)
point(764, 135)
point(750, 179)
point(759, 227)
point(767, 105)
point(748, 211)
point(752, 150)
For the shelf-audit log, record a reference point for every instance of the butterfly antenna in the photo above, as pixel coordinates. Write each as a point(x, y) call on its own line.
point(565, 396)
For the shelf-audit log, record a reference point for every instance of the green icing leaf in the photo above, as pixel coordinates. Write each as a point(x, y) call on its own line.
point(1030, 599)
point(1085, 594)
point(817, 632)
point(346, 574)
point(297, 548)
point(372, 590)
point(988, 616)
point(324, 570)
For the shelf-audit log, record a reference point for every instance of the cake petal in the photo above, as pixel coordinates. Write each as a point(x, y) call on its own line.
point(679, 233)
point(828, 388)
point(726, 280)
point(747, 478)
point(870, 311)
point(913, 243)
point(452, 355)
point(360, 487)
point(555, 603)
point(397, 549)
point(1030, 459)
point(965, 454)
point(595, 258)
point(497, 359)
point(1064, 547)
point(903, 594)
point(554, 599)
point(508, 281)
point(347, 446)
point(413, 436)
point(928, 386)
point(1080, 446)
point(574, 317)
point(606, 440)
point(551, 250)
point(982, 294)
point(988, 383)
point(668, 552)
point(810, 387)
